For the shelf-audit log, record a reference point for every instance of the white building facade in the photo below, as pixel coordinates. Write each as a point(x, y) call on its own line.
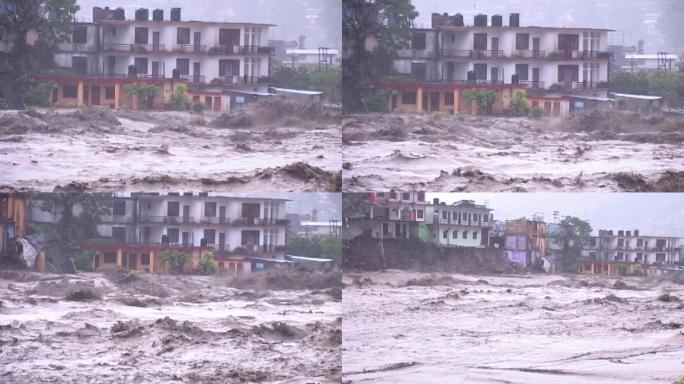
point(631, 246)
point(461, 224)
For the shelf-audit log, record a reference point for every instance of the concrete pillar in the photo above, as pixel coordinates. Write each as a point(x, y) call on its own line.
point(151, 261)
point(456, 100)
point(119, 258)
point(39, 265)
point(79, 94)
point(117, 95)
point(419, 100)
point(473, 108)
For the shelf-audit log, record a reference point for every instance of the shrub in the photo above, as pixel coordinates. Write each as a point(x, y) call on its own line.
point(144, 92)
point(207, 265)
point(175, 259)
point(377, 100)
point(83, 260)
point(484, 98)
point(38, 94)
point(519, 104)
point(180, 98)
point(198, 107)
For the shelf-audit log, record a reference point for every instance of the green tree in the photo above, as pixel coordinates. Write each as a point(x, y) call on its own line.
point(315, 247)
point(38, 94)
point(144, 92)
point(519, 104)
point(207, 265)
point(51, 20)
point(573, 235)
point(179, 97)
point(176, 259)
point(77, 216)
point(83, 259)
point(484, 98)
point(385, 22)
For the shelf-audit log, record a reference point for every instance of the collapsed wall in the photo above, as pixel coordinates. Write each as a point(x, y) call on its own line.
point(366, 253)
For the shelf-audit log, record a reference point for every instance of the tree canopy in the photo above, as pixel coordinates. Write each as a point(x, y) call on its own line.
point(573, 236)
point(372, 30)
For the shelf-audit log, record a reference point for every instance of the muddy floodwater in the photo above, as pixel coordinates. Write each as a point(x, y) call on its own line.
point(452, 153)
point(164, 329)
point(131, 150)
point(401, 327)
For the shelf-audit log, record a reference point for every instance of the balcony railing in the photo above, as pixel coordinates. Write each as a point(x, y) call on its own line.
point(533, 84)
point(258, 249)
point(567, 85)
point(239, 50)
point(232, 80)
point(190, 48)
point(486, 54)
point(578, 55)
point(199, 79)
point(136, 48)
point(448, 52)
point(528, 54)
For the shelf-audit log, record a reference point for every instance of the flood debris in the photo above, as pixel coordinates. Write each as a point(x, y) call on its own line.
point(225, 335)
point(594, 151)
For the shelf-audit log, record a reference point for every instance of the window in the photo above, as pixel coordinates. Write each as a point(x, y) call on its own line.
point(141, 65)
point(522, 41)
point(568, 42)
point(385, 229)
point(620, 242)
point(419, 213)
point(455, 235)
point(592, 255)
point(69, 91)
point(109, 93)
point(119, 208)
point(465, 234)
point(406, 196)
point(79, 64)
point(229, 67)
point(210, 236)
point(590, 40)
point(119, 234)
point(209, 209)
point(141, 35)
point(183, 36)
point(79, 34)
point(568, 73)
point(639, 257)
point(421, 196)
point(173, 209)
point(475, 235)
point(480, 42)
point(445, 234)
point(592, 242)
point(408, 97)
point(381, 194)
point(110, 258)
point(660, 257)
point(640, 242)
point(454, 216)
point(145, 259)
point(480, 71)
point(418, 40)
point(419, 71)
point(172, 235)
point(485, 218)
point(448, 98)
point(183, 66)
point(522, 71)
point(444, 215)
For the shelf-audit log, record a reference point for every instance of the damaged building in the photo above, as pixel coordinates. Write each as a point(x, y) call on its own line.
point(444, 61)
point(223, 64)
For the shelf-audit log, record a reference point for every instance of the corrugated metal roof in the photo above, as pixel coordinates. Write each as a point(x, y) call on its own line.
point(631, 96)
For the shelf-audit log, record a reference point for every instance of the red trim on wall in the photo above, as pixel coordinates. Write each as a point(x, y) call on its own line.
point(443, 86)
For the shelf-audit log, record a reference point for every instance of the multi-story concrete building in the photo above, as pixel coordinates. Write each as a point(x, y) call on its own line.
point(222, 63)
point(611, 248)
point(525, 240)
point(450, 57)
point(242, 233)
point(461, 224)
point(397, 214)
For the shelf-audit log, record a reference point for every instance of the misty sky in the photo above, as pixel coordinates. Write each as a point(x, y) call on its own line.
point(329, 205)
point(319, 20)
point(651, 213)
point(632, 19)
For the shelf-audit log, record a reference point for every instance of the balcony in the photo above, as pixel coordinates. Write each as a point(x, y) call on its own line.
point(195, 79)
point(135, 48)
point(233, 80)
point(240, 50)
point(255, 249)
point(190, 48)
point(486, 54)
point(532, 84)
point(579, 55)
point(448, 52)
point(580, 85)
point(528, 54)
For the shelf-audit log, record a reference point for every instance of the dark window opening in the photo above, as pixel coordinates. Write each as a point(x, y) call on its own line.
point(79, 65)
point(183, 36)
point(145, 259)
point(119, 234)
point(209, 209)
point(522, 71)
point(109, 93)
point(480, 42)
point(141, 65)
point(173, 209)
point(141, 35)
point(172, 235)
point(79, 34)
point(183, 66)
point(522, 41)
point(119, 208)
point(110, 258)
point(480, 71)
point(449, 98)
point(407, 98)
point(419, 71)
point(418, 40)
point(69, 91)
point(210, 236)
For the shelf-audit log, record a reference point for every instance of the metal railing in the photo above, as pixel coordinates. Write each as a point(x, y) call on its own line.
point(528, 54)
point(486, 53)
point(136, 48)
point(190, 48)
point(533, 84)
point(240, 49)
point(566, 85)
point(200, 79)
point(578, 55)
point(231, 80)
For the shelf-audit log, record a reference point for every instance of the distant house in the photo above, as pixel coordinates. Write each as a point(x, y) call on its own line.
point(651, 62)
point(312, 57)
point(646, 105)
